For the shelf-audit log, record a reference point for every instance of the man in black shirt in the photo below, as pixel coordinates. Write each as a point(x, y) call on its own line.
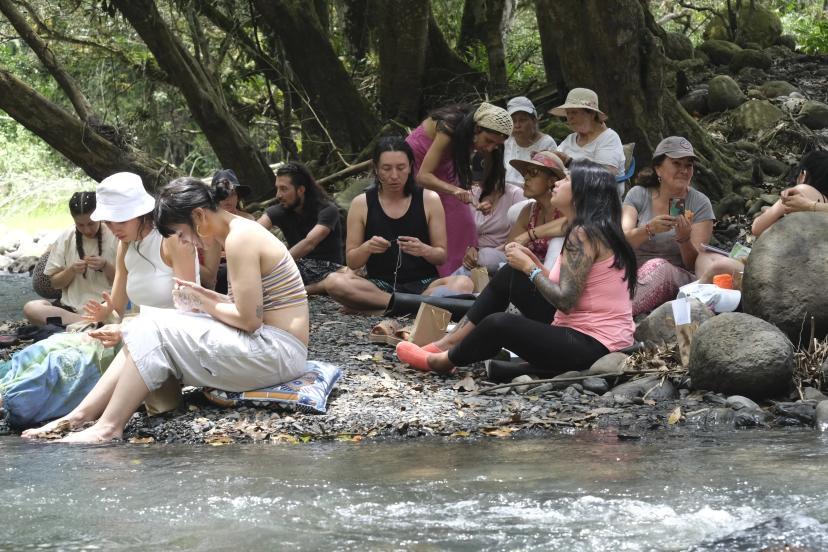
point(310, 223)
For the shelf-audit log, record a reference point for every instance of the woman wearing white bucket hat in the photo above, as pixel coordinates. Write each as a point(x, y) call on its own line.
point(591, 138)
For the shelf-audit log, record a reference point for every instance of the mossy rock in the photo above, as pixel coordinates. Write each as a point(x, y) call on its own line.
point(773, 167)
point(720, 52)
point(354, 187)
point(755, 116)
point(813, 115)
point(557, 129)
point(779, 51)
point(776, 88)
point(724, 93)
point(695, 102)
point(758, 25)
point(678, 46)
point(750, 58)
point(716, 30)
point(788, 41)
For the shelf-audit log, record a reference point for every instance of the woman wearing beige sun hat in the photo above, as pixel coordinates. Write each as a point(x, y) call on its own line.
point(591, 138)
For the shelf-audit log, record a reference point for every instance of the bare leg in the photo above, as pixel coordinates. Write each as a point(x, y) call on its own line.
point(460, 284)
point(439, 362)
point(456, 335)
point(356, 293)
point(92, 405)
point(129, 393)
point(37, 311)
point(316, 288)
point(710, 264)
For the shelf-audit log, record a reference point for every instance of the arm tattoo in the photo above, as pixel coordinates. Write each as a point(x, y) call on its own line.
point(259, 312)
point(575, 268)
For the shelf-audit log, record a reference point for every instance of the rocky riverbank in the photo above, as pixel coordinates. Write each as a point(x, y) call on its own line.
point(378, 397)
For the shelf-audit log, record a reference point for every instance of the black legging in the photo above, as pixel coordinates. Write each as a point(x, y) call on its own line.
point(549, 349)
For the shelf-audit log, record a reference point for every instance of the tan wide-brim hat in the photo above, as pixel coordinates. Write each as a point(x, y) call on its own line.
point(579, 98)
point(543, 159)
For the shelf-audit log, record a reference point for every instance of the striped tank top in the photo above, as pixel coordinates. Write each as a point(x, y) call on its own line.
point(282, 287)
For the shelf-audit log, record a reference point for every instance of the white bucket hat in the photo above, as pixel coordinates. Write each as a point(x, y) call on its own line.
point(521, 103)
point(579, 98)
point(121, 197)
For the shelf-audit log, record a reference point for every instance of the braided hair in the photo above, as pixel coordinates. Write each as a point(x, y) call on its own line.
point(82, 203)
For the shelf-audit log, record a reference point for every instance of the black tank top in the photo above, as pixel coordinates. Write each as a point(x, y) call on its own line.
point(413, 223)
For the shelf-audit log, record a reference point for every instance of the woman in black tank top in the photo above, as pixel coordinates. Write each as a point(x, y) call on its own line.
point(397, 232)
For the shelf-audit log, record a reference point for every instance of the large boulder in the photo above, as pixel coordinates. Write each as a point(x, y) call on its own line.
point(758, 25)
point(736, 353)
point(678, 46)
point(659, 327)
point(720, 52)
point(695, 102)
point(813, 115)
point(785, 273)
point(776, 88)
point(750, 58)
point(353, 188)
point(755, 116)
point(724, 93)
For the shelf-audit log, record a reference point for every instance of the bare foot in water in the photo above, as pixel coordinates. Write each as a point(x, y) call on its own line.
point(90, 435)
point(53, 430)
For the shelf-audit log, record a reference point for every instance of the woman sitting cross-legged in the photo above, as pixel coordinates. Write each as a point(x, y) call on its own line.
point(591, 286)
point(255, 337)
point(397, 231)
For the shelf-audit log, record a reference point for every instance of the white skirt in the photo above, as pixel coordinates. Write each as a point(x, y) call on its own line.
point(199, 350)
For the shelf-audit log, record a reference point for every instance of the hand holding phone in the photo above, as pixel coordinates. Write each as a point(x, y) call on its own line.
point(677, 206)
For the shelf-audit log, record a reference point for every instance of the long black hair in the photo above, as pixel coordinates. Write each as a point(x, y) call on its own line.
point(315, 196)
point(82, 203)
point(178, 199)
point(598, 212)
point(392, 144)
point(815, 165)
point(457, 121)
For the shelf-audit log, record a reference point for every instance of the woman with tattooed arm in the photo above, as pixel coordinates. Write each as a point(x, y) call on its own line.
point(590, 287)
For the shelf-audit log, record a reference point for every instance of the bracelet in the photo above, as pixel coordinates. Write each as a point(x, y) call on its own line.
point(650, 233)
point(685, 240)
point(534, 274)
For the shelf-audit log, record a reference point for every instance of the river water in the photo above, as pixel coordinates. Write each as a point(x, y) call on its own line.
point(15, 290)
point(730, 492)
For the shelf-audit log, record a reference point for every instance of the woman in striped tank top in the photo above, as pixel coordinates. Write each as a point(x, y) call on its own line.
point(252, 338)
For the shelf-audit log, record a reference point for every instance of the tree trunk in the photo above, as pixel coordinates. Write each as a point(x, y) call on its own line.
point(401, 27)
point(76, 140)
point(39, 47)
point(355, 17)
point(549, 51)
point(623, 61)
point(332, 96)
point(498, 14)
point(205, 99)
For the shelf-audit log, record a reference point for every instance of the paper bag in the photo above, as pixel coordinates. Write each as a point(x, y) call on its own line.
point(480, 277)
point(429, 325)
point(685, 328)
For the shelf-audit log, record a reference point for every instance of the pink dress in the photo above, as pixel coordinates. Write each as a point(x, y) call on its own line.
point(460, 228)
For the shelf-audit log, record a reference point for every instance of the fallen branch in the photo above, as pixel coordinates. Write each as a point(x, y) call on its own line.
point(347, 171)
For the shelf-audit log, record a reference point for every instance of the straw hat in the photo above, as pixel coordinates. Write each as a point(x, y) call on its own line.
point(579, 98)
point(493, 118)
point(121, 197)
point(545, 160)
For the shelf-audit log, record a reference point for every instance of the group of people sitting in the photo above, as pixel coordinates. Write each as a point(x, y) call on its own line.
point(577, 261)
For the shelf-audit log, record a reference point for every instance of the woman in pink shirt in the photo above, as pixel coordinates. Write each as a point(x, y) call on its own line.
point(591, 287)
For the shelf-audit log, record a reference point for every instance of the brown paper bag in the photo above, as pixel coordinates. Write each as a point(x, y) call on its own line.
point(480, 277)
point(165, 398)
point(684, 334)
point(429, 325)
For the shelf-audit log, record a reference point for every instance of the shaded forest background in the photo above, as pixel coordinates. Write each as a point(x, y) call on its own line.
point(172, 87)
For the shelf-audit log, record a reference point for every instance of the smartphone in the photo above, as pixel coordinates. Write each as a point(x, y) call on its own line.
point(676, 206)
point(708, 247)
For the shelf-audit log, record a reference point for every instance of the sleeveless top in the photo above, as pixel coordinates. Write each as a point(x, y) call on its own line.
point(604, 309)
point(539, 246)
point(149, 278)
point(413, 223)
point(282, 287)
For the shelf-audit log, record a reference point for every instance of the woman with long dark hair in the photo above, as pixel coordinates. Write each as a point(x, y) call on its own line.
point(590, 288)
point(81, 265)
point(252, 338)
point(443, 146)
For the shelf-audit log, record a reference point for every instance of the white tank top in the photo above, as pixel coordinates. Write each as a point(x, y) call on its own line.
point(149, 278)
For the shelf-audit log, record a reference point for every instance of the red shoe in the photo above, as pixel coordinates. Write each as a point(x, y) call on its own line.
point(413, 355)
point(432, 348)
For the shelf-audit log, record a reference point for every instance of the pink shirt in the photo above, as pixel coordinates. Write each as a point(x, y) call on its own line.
point(493, 229)
point(604, 310)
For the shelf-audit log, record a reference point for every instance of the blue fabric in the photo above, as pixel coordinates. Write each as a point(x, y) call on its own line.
point(308, 392)
point(47, 379)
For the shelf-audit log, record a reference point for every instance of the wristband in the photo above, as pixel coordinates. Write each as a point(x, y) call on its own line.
point(650, 234)
point(534, 274)
point(685, 240)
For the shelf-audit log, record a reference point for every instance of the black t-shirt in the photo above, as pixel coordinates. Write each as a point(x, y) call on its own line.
point(296, 229)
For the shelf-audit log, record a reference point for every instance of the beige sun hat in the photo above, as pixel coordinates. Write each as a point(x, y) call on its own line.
point(579, 98)
point(493, 118)
point(543, 159)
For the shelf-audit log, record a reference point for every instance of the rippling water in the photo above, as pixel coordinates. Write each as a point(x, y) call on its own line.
point(15, 290)
point(745, 490)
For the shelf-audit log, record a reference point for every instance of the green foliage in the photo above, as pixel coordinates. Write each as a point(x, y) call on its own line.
point(811, 33)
